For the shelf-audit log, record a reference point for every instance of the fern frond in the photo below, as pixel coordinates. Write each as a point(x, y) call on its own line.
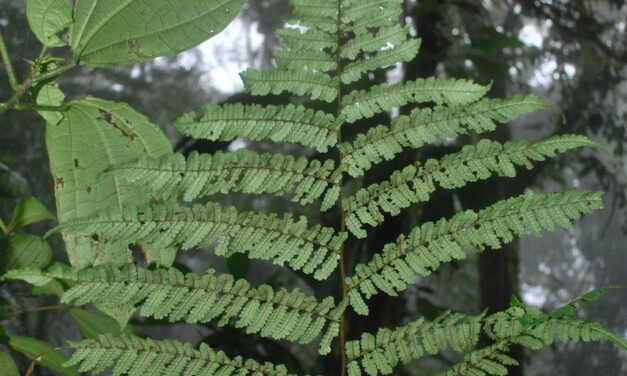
point(380, 354)
point(425, 126)
point(403, 52)
point(284, 240)
point(431, 244)
point(310, 40)
point(175, 296)
point(414, 183)
point(134, 356)
point(315, 85)
point(201, 175)
point(385, 36)
point(294, 124)
point(361, 15)
point(361, 104)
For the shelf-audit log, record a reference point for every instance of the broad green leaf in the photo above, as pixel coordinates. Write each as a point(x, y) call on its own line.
point(93, 324)
point(47, 18)
point(50, 95)
point(24, 251)
point(53, 287)
point(7, 365)
point(44, 353)
point(28, 211)
point(93, 136)
point(126, 31)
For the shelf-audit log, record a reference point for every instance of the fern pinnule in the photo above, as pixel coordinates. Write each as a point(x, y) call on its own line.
point(281, 240)
point(426, 126)
point(382, 39)
point(404, 51)
point(175, 296)
point(134, 356)
point(380, 354)
point(309, 40)
point(294, 124)
point(415, 183)
point(532, 330)
point(315, 85)
point(202, 175)
point(361, 104)
point(359, 16)
point(432, 244)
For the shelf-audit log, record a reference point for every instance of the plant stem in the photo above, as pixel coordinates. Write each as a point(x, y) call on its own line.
point(6, 59)
point(37, 309)
point(338, 62)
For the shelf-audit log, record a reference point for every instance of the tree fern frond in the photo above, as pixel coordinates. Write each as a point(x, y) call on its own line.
point(380, 354)
point(294, 124)
point(310, 40)
point(403, 52)
point(414, 183)
point(175, 296)
point(361, 15)
point(361, 104)
point(315, 85)
point(284, 240)
point(134, 356)
point(425, 126)
point(201, 175)
point(311, 61)
point(431, 244)
point(385, 36)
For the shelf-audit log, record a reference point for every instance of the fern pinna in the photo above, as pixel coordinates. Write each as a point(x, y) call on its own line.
point(160, 201)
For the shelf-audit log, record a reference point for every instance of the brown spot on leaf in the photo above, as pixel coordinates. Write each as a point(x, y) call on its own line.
point(108, 118)
point(88, 189)
point(76, 163)
point(59, 182)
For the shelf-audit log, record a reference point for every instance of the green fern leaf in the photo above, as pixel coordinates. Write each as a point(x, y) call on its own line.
point(170, 294)
point(361, 104)
point(315, 85)
point(311, 61)
point(507, 329)
point(361, 15)
point(385, 36)
point(294, 124)
point(284, 240)
point(425, 126)
point(134, 356)
point(310, 10)
point(380, 354)
point(414, 183)
point(432, 244)
point(405, 51)
point(318, 15)
point(310, 40)
point(201, 175)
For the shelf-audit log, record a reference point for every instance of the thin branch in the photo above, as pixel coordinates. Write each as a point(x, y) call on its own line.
point(6, 59)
